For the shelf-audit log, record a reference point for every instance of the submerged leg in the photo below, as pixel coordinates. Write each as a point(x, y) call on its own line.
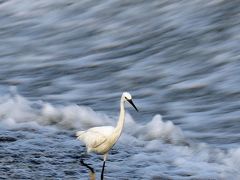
point(104, 160)
point(91, 170)
point(89, 167)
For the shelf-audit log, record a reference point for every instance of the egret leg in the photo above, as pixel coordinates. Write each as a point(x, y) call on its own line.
point(103, 170)
point(86, 165)
point(91, 170)
point(104, 161)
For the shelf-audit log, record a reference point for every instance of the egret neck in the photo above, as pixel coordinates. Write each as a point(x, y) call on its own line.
point(121, 120)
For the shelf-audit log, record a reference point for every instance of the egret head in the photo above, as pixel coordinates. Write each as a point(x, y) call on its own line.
point(127, 97)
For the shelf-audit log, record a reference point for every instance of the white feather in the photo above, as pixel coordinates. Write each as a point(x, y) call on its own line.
point(94, 137)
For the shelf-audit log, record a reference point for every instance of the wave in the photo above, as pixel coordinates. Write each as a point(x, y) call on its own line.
point(16, 111)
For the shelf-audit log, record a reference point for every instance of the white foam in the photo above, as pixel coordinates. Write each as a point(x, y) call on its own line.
point(16, 109)
point(231, 160)
point(73, 116)
point(155, 129)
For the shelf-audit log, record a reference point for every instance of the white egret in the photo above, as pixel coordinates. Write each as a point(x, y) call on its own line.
point(102, 139)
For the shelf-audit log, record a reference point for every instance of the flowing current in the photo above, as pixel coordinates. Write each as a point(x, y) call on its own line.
point(64, 65)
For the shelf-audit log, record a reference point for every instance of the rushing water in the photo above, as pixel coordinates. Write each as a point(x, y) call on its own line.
point(64, 65)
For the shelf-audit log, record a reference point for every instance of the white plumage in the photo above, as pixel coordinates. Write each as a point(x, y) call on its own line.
point(102, 139)
point(95, 137)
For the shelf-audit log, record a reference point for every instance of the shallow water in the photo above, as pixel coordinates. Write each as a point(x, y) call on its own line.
point(64, 65)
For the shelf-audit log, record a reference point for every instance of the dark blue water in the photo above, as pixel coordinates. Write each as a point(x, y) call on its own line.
point(65, 64)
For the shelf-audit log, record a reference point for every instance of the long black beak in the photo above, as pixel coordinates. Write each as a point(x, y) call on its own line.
point(131, 102)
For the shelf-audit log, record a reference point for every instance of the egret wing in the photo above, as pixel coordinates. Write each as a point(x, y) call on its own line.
point(104, 130)
point(91, 139)
point(95, 136)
